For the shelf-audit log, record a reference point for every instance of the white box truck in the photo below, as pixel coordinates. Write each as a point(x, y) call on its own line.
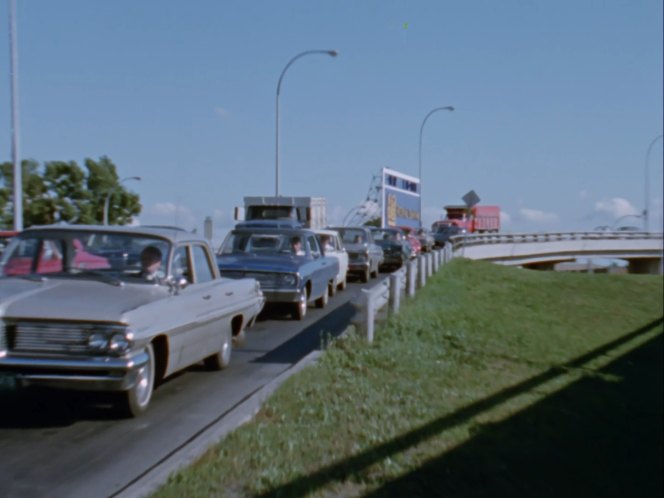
point(310, 212)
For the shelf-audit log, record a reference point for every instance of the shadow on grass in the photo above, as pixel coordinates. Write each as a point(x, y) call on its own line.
point(594, 438)
point(311, 338)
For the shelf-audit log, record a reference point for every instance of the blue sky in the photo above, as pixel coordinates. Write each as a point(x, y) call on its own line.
point(556, 102)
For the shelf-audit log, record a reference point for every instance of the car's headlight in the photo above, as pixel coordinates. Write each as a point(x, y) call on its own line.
point(97, 341)
point(119, 343)
point(289, 279)
point(110, 340)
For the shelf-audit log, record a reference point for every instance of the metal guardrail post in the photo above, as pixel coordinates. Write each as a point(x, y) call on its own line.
point(369, 323)
point(411, 278)
point(421, 272)
point(429, 261)
point(395, 292)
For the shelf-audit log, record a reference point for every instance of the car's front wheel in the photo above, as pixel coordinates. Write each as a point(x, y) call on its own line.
point(136, 400)
point(222, 358)
point(300, 307)
point(321, 302)
point(332, 288)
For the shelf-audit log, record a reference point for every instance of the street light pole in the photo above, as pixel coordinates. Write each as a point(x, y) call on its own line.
point(647, 187)
point(331, 53)
point(18, 172)
point(446, 108)
point(110, 193)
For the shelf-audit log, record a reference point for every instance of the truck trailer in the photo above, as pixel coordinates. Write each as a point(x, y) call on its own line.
point(309, 212)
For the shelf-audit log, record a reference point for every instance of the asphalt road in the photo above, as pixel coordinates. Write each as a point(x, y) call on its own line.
point(64, 444)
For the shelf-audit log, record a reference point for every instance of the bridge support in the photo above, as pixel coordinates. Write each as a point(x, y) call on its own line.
point(649, 266)
point(544, 265)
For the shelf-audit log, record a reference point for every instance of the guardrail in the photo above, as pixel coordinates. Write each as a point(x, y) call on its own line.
point(458, 241)
point(371, 303)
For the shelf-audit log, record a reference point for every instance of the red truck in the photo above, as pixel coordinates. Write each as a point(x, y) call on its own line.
point(462, 219)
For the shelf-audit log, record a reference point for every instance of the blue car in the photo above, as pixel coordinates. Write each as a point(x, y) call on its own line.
point(288, 262)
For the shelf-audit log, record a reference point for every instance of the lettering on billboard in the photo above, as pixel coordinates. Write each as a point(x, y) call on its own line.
point(392, 210)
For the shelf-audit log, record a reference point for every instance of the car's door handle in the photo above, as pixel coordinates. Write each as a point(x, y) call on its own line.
point(230, 293)
point(207, 296)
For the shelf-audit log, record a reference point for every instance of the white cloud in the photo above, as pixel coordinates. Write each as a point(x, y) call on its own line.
point(616, 207)
point(537, 216)
point(583, 194)
point(169, 213)
point(505, 218)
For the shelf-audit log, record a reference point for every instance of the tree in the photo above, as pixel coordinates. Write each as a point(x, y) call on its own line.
point(103, 181)
point(65, 193)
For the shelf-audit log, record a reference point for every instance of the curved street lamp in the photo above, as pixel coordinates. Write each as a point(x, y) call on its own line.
point(647, 187)
point(110, 193)
point(331, 53)
point(446, 108)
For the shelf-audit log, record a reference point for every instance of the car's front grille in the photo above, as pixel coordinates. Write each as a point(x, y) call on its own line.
point(48, 338)
point(268, 280)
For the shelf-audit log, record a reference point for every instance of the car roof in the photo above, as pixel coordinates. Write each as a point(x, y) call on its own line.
point(272, 229)
point(326, 231)
point(173, 234)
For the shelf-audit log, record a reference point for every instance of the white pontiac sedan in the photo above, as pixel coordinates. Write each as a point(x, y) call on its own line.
point(331, 243)
point(116, 309)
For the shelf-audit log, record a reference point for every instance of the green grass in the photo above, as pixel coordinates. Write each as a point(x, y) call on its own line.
point(479, 372)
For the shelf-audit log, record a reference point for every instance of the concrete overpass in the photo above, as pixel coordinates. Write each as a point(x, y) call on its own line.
point(642, 250)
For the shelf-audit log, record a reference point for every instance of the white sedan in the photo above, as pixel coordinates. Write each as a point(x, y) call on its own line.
point(331, 244)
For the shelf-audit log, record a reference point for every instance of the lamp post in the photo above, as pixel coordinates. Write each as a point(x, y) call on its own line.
point(331, 53)
point(18, 172)
point(647, 187)
point(110, 193)
point(446, 108)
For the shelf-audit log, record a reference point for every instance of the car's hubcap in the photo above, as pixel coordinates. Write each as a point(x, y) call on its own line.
point(143, 385)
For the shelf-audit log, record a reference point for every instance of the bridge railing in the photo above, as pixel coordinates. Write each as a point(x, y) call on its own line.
point(467, 240)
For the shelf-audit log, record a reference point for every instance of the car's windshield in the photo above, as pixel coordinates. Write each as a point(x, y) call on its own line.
point(351, 235)
point(388, 235)
point(449, 229)
point(75, 252)
point(261, 243)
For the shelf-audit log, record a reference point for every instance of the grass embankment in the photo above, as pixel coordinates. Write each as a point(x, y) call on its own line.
point(493, 381)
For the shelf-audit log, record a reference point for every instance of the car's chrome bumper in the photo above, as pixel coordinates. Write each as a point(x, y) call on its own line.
point(85, 374)
point(358, 267)
point(281, 295)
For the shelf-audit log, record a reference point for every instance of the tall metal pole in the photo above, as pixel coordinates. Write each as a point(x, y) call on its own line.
point(331, 53)
point(18, 173)
point(446, 108)
point(647, 187)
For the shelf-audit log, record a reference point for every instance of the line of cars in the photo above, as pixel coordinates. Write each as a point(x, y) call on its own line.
point(78, 311)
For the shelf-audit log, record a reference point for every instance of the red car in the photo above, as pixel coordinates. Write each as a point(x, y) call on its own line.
point(415, 245)
point(50, 259)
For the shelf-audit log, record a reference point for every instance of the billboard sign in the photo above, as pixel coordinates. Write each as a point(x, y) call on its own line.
point(400, 199)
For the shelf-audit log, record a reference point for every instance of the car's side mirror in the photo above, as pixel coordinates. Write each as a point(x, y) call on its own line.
point(176, 284)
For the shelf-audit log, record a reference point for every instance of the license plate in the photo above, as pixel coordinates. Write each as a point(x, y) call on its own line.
point(7, 382)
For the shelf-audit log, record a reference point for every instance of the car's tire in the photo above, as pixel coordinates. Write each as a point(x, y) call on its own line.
point(222, 358)
point(374, 274)
point(365, 276)
point(321, 302)
point(332, 288)
point(300, 308)
point(240, 337)
point(133, 402)
point(342, 285)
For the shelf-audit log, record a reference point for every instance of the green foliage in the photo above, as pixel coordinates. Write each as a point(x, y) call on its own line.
point(64, 192)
